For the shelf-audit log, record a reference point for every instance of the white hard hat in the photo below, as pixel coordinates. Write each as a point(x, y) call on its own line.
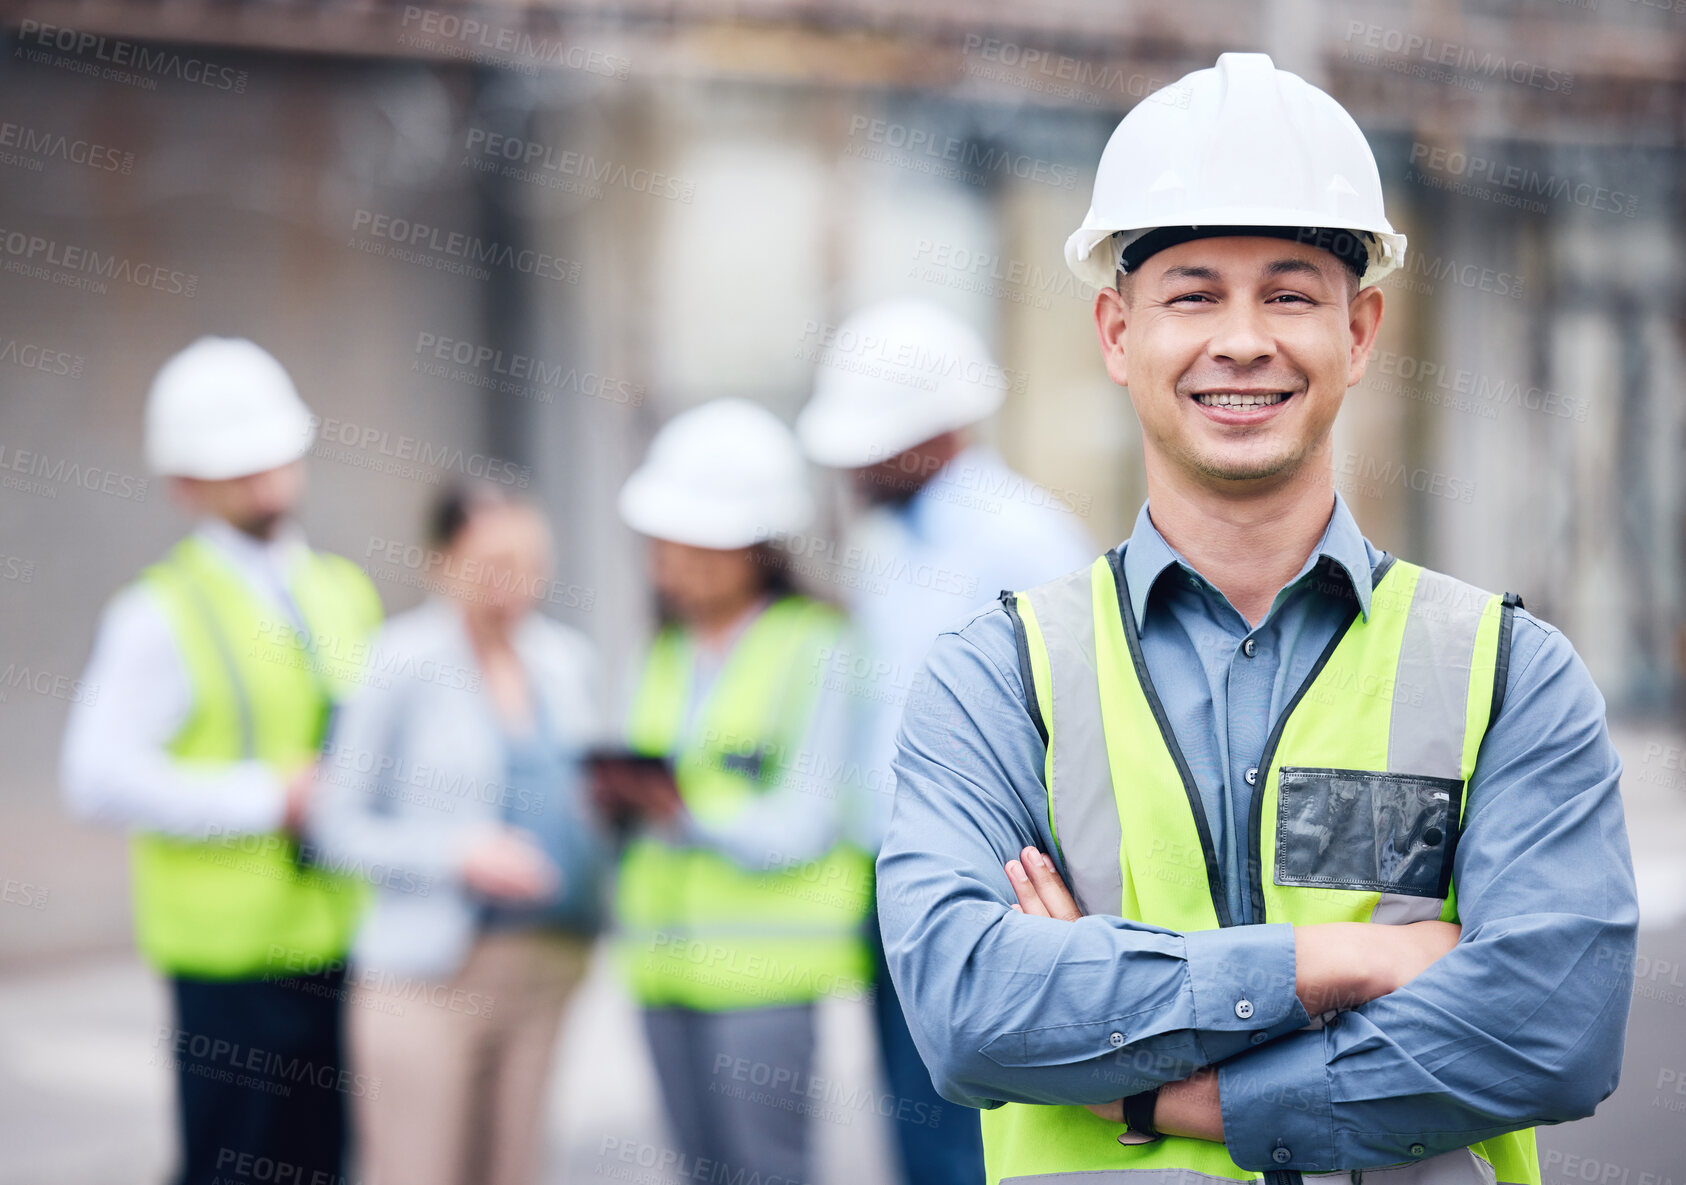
point(724, 475)
point(1240, 145)
point(224, 407)
point(892, 375)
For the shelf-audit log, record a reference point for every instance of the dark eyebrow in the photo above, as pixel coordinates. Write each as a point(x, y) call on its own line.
point(1290, 266)
point(1190, 272)
point(1295, 267)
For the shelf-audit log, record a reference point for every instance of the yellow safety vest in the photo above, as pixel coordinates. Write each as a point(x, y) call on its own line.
point(1356, 817)
point(235, 907)
point(697, 930)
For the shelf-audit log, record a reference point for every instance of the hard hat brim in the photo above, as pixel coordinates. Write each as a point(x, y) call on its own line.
point(676, 513)
point(241, 457)
point(836, 434)
point(1093, 259)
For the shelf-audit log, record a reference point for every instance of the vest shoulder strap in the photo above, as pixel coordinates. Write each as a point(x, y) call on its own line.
point(1448, 626)
point(1062, 605)
point(345, 581)
point(1059, 650)
point(658, 702)
point(1021, 645)
point(1508, 605)
point(201, 636)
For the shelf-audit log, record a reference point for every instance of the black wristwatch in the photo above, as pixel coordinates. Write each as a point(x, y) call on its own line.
point(1138, 1118)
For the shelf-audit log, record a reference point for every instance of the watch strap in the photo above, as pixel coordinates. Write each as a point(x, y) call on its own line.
point(1138, 1113)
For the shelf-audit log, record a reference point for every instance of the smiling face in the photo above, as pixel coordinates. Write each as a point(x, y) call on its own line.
point(1237, 353)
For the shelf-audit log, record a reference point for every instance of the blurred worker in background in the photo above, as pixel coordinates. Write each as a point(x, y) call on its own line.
point(739, 903)
point(952, 526)
point(218, 671)
point(453, 781)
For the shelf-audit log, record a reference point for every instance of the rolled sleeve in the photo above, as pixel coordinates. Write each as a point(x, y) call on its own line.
point(1522, 1023)
point(1007, 1007)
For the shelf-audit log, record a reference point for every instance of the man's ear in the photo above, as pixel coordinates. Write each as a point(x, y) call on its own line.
point(1111, 316)
point(1364, 321)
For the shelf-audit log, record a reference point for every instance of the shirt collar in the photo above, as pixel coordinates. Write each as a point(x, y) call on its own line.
point(1147, 555)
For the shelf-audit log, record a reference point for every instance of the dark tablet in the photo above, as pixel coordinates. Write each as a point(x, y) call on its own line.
point(601, 755)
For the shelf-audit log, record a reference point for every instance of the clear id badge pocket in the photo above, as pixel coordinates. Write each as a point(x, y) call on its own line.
point(1367, 830)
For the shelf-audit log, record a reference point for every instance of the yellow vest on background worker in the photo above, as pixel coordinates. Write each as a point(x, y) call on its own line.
point(697, 930)
point(1356, 817)
point(261, 690)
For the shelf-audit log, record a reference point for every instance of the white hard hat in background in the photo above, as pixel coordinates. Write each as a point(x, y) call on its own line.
point(1240, 145)
point(724, 475)
point(892, 375)
point(224, 407)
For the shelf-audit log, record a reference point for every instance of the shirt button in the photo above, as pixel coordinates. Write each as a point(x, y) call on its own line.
point(1116, 1040)
point(1248, 647)
point(1258, 1038)
point(1417, 1150)
point(1252, 776)
point(1244, 1008)
point(1282, 1156)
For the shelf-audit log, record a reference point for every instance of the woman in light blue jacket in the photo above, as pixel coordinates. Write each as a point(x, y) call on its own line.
point(453, 783)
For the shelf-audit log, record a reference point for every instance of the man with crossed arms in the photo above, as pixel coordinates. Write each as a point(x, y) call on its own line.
point(1349, 879)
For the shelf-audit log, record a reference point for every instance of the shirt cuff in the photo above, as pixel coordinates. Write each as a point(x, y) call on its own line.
point(251, 800)
point(1276, 1108)
point(1243, 983)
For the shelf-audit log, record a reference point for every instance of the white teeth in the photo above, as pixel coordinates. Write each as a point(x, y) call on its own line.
point(1226, 400)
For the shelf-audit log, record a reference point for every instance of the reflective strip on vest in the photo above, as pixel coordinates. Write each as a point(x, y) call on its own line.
point(1461, 1167)
point(1355, 818)
point(1425, 733)
point(1081, 812)
point(1122, 1177)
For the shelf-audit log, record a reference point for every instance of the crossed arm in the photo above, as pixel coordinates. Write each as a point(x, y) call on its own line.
point(1337, 965)
point(1521, 1022)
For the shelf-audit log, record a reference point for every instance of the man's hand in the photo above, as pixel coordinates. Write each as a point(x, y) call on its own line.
point(1336, 965)
point(505, 865)
point(297, 794)
point(624, 790)
point(1040, 890)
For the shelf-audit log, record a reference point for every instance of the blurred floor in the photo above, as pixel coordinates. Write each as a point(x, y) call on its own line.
point(85, 1098)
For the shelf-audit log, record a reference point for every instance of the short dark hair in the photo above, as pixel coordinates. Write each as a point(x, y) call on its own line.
point(457, 507)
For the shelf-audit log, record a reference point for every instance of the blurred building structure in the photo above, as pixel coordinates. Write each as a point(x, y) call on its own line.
point(510, 240)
